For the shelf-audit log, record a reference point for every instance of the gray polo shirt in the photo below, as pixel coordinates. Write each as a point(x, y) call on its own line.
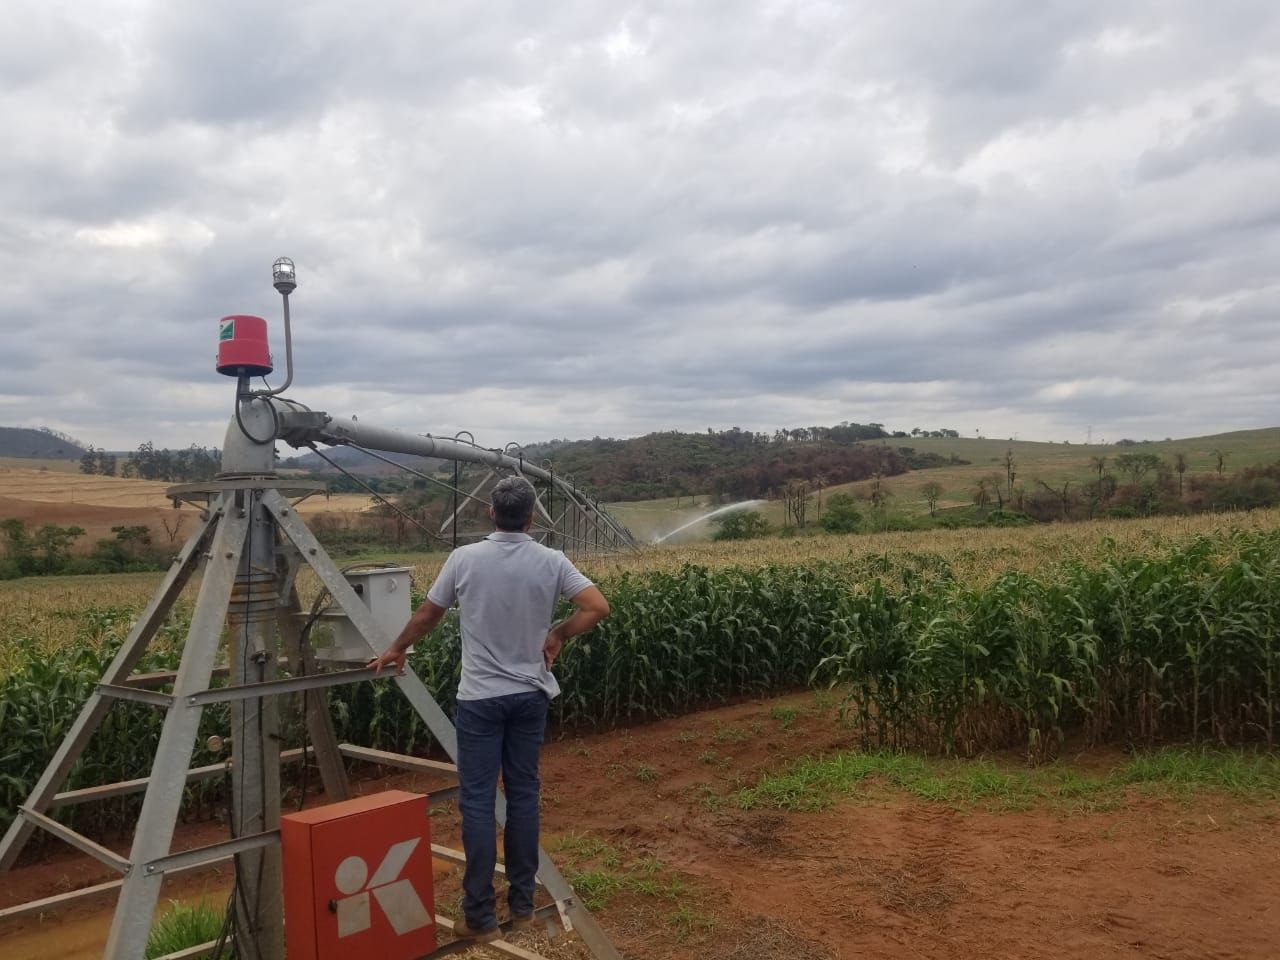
point(506, 587)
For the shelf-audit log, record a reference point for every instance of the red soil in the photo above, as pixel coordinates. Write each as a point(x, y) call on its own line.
point(881, 875)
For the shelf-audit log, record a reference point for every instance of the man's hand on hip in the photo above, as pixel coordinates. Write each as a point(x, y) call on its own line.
point(551, 649)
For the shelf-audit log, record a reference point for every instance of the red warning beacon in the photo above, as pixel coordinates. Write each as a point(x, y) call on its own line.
point(242, 347)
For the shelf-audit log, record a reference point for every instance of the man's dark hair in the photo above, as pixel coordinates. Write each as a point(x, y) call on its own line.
point(513, 500)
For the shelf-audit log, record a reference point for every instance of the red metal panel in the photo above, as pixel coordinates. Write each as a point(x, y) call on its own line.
point(358, 879)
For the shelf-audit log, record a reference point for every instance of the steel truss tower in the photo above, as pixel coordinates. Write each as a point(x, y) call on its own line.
point(249, 549)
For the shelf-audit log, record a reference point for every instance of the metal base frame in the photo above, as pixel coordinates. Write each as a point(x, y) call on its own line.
point(219, 545)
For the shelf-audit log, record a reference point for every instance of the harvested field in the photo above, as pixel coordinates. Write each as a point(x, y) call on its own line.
point(50, 487)
point(97, 504)
point(649, 824)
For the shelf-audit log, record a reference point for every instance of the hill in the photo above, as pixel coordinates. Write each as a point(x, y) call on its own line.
point(28, 443)
point(963, 463)
point(1053, 464)
point(730, 464)
point(360, 463)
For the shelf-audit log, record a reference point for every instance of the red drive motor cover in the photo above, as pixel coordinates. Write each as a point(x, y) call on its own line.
point(242, 347)
point(358, 879)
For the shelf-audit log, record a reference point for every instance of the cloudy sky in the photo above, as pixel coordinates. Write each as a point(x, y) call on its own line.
point(562, 220)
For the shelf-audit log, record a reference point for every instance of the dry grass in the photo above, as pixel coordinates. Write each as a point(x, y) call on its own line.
point(61, 487)
point(762, 938)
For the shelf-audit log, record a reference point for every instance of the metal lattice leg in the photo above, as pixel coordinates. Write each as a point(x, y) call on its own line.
point(154, 833)
point(95, 708)
point(579, 918)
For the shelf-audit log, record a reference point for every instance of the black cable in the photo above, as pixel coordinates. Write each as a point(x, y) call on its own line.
point(304, 638)
point(275, 424)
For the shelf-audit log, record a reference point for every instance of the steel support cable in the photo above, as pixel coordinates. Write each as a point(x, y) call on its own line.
point(418, 473)
point(375, 494)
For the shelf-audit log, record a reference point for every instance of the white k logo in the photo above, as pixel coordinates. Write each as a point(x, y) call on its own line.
point(397, 898)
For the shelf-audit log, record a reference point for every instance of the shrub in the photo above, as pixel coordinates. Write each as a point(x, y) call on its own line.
point(841, 514)
point(742, 525)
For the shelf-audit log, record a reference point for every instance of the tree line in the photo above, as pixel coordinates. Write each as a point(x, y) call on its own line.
point(47, 550)
point(1141, 485)
point(192, 464)
point(732, 464)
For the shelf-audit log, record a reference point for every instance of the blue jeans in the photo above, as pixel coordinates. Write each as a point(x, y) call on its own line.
point(499, 733)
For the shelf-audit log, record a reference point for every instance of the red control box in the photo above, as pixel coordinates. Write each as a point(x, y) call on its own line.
point(357, 879)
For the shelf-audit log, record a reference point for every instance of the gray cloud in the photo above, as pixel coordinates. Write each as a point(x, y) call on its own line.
point(580, 219)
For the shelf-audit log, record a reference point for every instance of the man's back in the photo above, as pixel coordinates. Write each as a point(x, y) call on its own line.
point(507, 587)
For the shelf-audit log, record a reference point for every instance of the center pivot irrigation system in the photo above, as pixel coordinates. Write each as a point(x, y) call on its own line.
point(249, 548)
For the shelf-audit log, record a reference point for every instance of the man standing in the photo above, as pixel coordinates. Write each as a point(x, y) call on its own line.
point(506, 587)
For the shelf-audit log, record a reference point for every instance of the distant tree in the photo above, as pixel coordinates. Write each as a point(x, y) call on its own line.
point(982, 493)
point(879, 497)
point(1220, 457)
point(795, 498)
point(932, 492)
point(1137, 465)
point(1008, 470)
point(995, 487)
point(89, 461)
point(842, 514)
point(741, 525)
point(18, 549)
point(1063, 496)
point(139, 535)
point(1099, 464)
point(106, 463)
point(52, 546)
point(1180, 466)
point(172, 529)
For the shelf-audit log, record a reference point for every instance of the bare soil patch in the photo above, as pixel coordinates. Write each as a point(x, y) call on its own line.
point(881, 874)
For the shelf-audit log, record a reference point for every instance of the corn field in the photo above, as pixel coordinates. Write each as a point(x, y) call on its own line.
point(1174, 642)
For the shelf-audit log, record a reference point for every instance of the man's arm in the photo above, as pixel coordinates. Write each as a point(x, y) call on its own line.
point(425, 619)
point(590, 608)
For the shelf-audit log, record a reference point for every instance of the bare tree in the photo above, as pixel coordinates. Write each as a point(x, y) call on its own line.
point(1063, 495)
point(1099, 464)
point(982, 493)
point(1009, 473)
point(996, 488)
point(932, 491)
point(1180, 466)
point(173, 529)
point(879, 497)
point(795, 497)
point(1220, 457)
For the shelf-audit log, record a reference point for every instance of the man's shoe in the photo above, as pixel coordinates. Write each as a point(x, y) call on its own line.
point(463, 931)
point(521, 921)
